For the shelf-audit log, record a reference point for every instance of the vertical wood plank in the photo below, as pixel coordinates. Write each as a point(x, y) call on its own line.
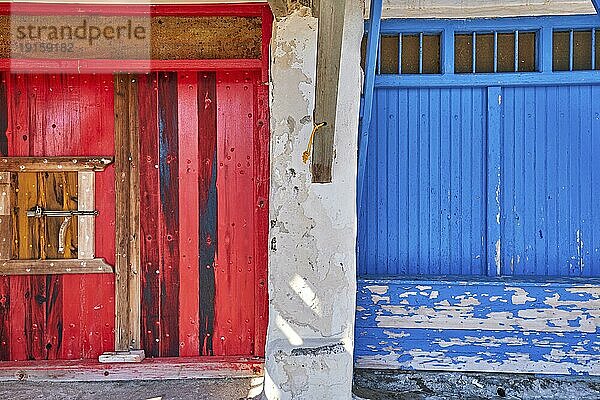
point(124, 91)
point(494, 104)
point(234, 274)
point(5, 224)
point(18, 146)
point(134, 216)
point(207, 191)
point(329, 53)
point(86, 228)
point(261, 216)
point(149, 203)
point(169, 213)
point(187, 87)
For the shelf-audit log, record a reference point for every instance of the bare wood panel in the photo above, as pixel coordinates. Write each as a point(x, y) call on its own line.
point(54, 164)
point(86, 224)
point(140, 38)
point(5, 218)
point(329, 52)
point(26, 232)
point(122, 84)
point(55, 267)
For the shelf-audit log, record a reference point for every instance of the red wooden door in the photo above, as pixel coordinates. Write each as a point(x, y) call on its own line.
point(55, 316)
point(204, 189)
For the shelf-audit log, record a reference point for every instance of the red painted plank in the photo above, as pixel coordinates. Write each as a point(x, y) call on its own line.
point(42, 66)
point(149, 205)
point(261, 216)
point(169, 213)
point(187, 87)
point(18, 142)
point(234, 276)
point(207, 192)
point(4, 281)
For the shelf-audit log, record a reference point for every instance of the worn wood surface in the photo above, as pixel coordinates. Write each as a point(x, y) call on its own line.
point(168, 218)
point(125, 125)
point(149, 369)
point(54, 164)
point(208, 207)
point(484, 326)
point(329, 53)
point(158, 37)
point(187, 110)
point(86, 224)
point(149, 194)
point(59, 266)
point(66, 315)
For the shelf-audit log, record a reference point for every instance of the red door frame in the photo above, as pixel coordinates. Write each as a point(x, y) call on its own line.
point(164, 367)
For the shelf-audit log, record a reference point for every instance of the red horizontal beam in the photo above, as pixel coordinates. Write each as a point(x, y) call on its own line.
point(149, 369)
point(244, 9)
point(110, 66)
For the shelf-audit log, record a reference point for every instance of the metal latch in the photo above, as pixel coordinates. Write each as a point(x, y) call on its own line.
point(39, 212)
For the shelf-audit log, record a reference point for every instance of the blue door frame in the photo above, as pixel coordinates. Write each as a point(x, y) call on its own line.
point(444, 289)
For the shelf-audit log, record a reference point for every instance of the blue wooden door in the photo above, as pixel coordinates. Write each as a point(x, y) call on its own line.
point(429, 204)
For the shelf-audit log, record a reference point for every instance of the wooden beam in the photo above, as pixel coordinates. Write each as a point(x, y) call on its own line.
point(54, 267)
point(149, 369)
point(329, 53)
point(596, 4)
point(127, 286)
point(54, 164)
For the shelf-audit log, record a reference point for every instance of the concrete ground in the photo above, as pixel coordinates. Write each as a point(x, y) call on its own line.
point(197, 389)
point(405, 385)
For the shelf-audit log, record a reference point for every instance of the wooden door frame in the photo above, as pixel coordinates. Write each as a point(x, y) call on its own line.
point(126, 131)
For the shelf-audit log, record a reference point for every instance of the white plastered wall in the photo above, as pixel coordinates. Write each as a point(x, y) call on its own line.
point(312, 263)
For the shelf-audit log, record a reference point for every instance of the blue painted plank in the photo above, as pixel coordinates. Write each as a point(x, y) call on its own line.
point(466, 135)
point(493, 240)
point(586, 159)
point(370, 64)
point(381, 135)
point(485, 80)
point(465, 350)
point(424, 165)
point(445, 189)
point(551, 176)
point(595, 181)
point(540, 136)
point(414, 212)
point(392, 184)
point(456, 264)
point(434, 182)
point(404, 172)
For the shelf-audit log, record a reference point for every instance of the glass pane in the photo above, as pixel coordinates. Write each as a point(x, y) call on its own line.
point(582, 50)
point(506, 52)
point(463, 54)
point(597, 49)
point(431, 54)
point(484, 52)
point(410, 54)
point(560, 51)
point(527, 52)
point(389, 54)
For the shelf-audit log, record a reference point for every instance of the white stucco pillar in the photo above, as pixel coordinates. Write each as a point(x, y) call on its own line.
point(312, 263)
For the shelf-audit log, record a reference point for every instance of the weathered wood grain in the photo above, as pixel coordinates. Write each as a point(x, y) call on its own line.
point(168, 166)
point(59, 266)
point(123, 91)
point(529, 327)
point(86, 224)
point(149, 204)
point(208, 206)
point(261, 216)
point(164, 38)
point(134, 216)
point(54, 164)
point(329, 53)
